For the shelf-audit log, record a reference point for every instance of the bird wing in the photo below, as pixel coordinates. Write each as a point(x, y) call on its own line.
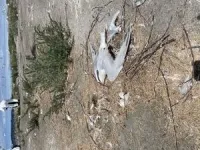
point(114, 66)
point(113, 21)
point(119, 60)
point(113, 29)
point(109, 67)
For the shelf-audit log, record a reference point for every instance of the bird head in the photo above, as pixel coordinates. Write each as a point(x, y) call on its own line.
point(100, 76)
point(103, 44)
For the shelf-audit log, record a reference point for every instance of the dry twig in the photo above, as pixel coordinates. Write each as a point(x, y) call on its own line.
point(149, 51)
point(188, 40)
point(171, 109)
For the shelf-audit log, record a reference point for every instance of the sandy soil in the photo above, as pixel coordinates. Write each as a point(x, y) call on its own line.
point(157, 116)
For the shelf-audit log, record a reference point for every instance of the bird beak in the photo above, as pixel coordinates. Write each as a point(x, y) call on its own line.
point(102, 76)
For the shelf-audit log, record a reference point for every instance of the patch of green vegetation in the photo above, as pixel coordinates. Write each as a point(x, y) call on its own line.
point(13, 31)
point(48, 70)
point(31, 106)
point(33, 123)
point(28, 87)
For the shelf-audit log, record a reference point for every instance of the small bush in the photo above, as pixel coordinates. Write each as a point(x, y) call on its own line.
point(33, 123)
point(49, 68)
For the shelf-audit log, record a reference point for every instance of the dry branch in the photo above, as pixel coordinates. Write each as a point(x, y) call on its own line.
point(148, 51)
point(170, 106)
point(188, 40)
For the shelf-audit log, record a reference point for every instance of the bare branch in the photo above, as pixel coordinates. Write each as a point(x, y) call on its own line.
point(171, 109)
point(188, 40)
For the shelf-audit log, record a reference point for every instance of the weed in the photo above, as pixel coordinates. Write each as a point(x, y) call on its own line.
point(33, 123)
point(48, 70)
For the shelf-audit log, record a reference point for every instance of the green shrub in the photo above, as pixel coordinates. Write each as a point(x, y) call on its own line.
point(33, 123)
point(49, 68)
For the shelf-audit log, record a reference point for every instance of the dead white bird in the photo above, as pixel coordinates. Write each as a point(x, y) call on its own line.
point(123, 99)
point(113, 28)
point(4, 104)
point(104, 63)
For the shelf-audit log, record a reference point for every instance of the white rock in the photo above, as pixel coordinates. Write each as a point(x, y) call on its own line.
point(68, 118)
point(123, 99)
point(138, 2)
point(41, 111)
point(186, 85)
point(109, 145)
point(121, 95)
point(29, 115)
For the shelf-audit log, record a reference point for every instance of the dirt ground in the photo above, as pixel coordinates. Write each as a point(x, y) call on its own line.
point(158, 116)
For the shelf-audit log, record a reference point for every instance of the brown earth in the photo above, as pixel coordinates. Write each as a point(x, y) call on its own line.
point(157, 116)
